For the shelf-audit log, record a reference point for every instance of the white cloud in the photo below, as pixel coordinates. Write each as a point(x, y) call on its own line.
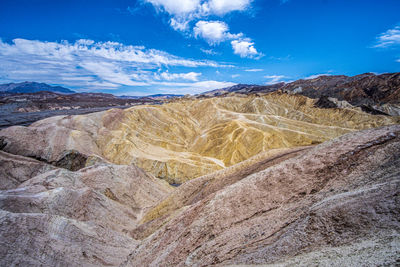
point(183, 12)
point(214, 32)
point(179, 24)
point(398, 60)
point(316, 76)
point(112, 73)
point(254, 70)
point(190, 76)
point(192, 88)
point(89, 64)
point(208, 51)
point(190, 9)
point(102, 50)
point(176, 7)
point(235, 75)
point(222, 7)
point(245, 48)
point(274, 78)
point(389, 38)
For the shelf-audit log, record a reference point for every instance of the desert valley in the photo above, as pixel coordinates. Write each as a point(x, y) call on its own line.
point(233, 177)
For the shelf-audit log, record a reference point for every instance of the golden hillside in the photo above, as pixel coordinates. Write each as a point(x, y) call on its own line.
point(189, 138)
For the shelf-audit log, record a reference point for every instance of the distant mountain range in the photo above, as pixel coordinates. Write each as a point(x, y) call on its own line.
point(32, 87)
point(242, 89)
point(376, 94)
point(363, 89)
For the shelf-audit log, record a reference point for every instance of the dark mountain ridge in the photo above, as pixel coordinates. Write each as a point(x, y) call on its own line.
point(375, 94)
point(33, 87)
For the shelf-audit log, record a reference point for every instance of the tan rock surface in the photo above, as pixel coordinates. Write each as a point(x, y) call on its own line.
point(259, 190)
point(189, 138)
point(198, 189)
point(15, 169)
point(37, 239)
point(82, 218)
point(341, 194)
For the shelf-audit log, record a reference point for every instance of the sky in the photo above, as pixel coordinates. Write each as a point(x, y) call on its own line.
point(128, 47)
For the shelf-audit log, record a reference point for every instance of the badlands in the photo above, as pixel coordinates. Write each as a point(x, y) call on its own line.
point(237, 180)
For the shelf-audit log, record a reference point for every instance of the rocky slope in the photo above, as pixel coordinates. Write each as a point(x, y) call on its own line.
point(366, 88)
point(56, 217)
point(336, 203)
point(189, 138)
point(340, 197)
point(375, 94)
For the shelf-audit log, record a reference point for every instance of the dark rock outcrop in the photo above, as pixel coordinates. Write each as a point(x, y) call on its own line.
point(324, 102)
point(71, 160)
point(368, 91)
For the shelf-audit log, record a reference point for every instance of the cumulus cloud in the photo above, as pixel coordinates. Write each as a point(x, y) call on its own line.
point(222, 7)
point(245, 48)
point(274, 79)
point(192, 88)
point(316, 76)
point(190, 9)
point(176, 7)
point(89, 64)
point(214, 32)
point(179, 24)
point(389, 38)
point(183, 12)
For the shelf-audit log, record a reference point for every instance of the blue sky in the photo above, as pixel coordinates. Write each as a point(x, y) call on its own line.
point(190, 46)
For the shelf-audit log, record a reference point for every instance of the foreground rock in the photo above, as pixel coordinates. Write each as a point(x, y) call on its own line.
point(333, 204)
point(17, 169)
point(65, 218)
point(341, 196)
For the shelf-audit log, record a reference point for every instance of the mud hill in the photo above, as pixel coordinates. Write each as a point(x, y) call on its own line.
point(269, 179)
point(190, 138)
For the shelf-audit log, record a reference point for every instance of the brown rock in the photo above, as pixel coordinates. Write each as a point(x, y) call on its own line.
point(340, 193)
point(37, 239)
point(79, 218)
point(186, 139)
point(15, 169)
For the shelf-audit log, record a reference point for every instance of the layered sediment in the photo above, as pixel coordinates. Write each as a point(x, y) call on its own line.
point(266, 180)
point(186, 139)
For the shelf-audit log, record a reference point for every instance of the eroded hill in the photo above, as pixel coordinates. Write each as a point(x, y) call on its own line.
point(190, 138)
point(335, 204)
